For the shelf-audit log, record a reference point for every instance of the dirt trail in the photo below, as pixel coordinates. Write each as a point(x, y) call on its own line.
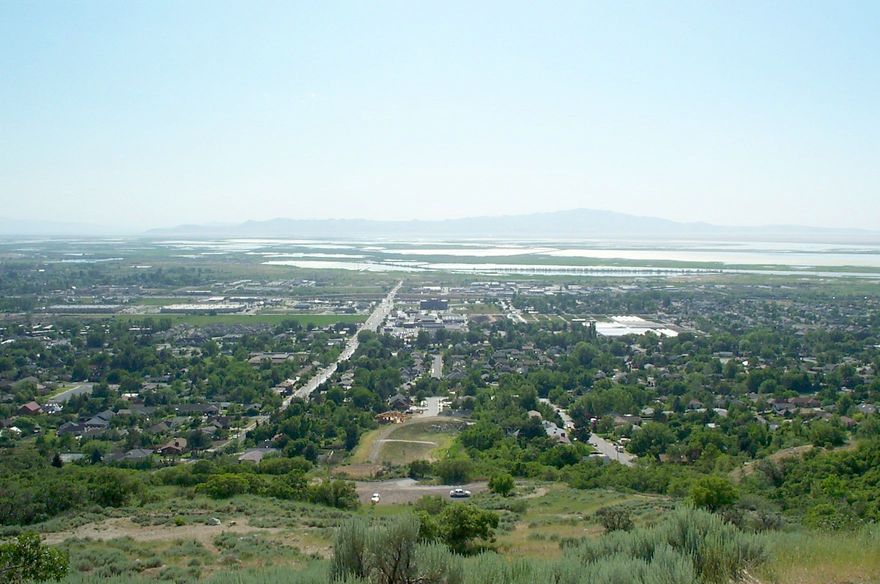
point(125, 527)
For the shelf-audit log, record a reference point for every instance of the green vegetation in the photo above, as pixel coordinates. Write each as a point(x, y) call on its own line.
point(26, 559)
point(761, 413)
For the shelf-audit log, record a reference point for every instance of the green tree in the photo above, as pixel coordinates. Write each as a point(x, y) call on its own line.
point(713, 493)
point(460, 524)
point(652, 440)
point(453, 471)
point(26, 558)
point(501, 484)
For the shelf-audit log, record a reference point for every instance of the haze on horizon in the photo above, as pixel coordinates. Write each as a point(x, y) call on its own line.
point(151, 114)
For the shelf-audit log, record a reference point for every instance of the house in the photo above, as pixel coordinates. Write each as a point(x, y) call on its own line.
point(391, 418)
point(399, 402)
point(71, 428)
point(627, 420)
point(867, 409)
point(255, 455)
point(138, 454)
point(782, 408)
point(71, 457)
point(31, 408)
point(555, 432)
point(221, 422)
point(175, 447)
point(197, 409)
point(159, 427)
point(804, 402)
point(100, 421)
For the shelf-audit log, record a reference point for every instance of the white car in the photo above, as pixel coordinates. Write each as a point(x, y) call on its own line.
point(459, 493)
point(375, 498)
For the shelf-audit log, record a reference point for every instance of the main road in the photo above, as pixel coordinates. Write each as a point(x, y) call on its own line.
point(376, 318)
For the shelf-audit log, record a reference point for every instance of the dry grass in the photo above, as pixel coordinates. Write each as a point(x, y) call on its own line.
point(823, 558)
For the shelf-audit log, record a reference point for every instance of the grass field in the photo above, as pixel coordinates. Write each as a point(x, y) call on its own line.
point(480, 308)
point(847, 557)
point(555, 512)
point(414, 440)
point(162, 300)
point(418, 441)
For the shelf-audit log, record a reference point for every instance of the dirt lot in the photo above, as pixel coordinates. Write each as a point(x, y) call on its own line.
point(400, 491)
point(124, 527)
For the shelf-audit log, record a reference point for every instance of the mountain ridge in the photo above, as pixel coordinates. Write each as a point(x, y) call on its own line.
point(574, 223)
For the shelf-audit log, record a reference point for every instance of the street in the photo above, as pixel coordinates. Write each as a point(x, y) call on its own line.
point(600, 444)
point(376, 318)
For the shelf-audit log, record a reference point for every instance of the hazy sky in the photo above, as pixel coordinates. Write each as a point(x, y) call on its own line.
point(154, 113)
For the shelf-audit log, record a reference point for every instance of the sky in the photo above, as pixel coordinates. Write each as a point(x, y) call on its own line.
point(151, 113)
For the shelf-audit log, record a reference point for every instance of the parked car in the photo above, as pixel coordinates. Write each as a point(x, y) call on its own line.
point(375, 498)
point(459, 493)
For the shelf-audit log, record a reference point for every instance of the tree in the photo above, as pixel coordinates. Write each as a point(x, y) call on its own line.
point(56, 461)
point(713, 493)
point(460, 524)
point(501, 484)
point(453, 471)
point(27, 559)
point(419, 469)
point(652, 439)
point(615, 518)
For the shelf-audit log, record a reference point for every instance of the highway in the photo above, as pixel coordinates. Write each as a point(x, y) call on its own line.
point(376, 318)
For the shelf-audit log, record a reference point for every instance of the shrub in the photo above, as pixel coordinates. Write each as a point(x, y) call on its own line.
point(615, 518)
point(501, 484)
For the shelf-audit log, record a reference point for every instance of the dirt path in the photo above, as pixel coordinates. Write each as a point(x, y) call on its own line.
point(124, 527)
point(382, 437)
point(376, 446)
point(539, 492)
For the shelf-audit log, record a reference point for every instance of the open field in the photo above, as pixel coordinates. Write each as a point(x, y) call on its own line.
point(555, 512)
point(850, 557)
point(417, 439)
point(162, 300)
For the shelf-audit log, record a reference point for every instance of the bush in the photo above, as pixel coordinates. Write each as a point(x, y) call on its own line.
point(453, 471)
point(713, 493)
point(717, 552)
point(223, 486)
point(615, 519)
point(501, 484)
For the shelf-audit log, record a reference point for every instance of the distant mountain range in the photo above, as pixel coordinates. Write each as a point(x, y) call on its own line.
point(572, 224)
point(35, 228)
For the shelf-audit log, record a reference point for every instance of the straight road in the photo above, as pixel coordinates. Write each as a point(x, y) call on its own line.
point(64, 396)
point(610, 450)
point(432, 407)
point(437, 367)
point(376, 318)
